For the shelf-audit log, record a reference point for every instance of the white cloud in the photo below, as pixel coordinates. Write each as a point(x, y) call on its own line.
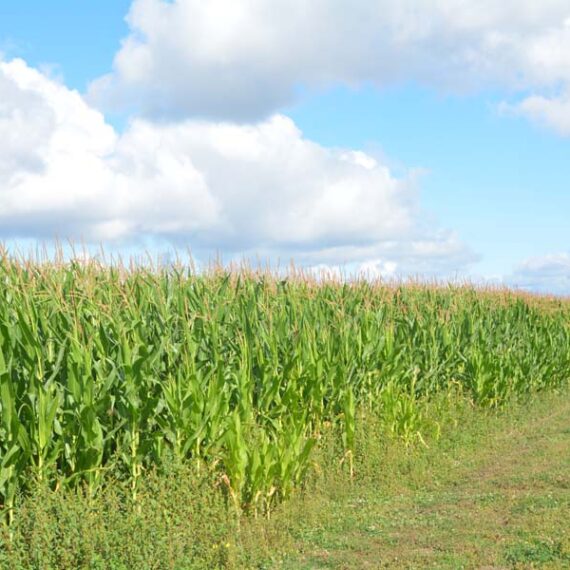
point(553, 112)
point(548, 274)
point(240, 189)
point(243, 59)
point(65, 171)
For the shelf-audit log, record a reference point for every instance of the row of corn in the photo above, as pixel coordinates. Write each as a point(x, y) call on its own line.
point(105, 370)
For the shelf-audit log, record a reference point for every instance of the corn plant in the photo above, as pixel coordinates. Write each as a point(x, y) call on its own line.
point(112, 370)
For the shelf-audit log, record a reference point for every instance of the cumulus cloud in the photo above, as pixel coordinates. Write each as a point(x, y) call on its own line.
point(242, 60)
point(65, 171)
point(239, 189)
point(549, 274)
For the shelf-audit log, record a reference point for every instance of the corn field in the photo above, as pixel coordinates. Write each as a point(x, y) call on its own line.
point(106, 370)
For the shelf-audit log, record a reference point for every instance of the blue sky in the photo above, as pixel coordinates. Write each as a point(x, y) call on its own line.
point(77, 38)
point(501, 181)
point(492, 152)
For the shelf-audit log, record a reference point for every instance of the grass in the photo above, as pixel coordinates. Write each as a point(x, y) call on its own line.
point(491, 492)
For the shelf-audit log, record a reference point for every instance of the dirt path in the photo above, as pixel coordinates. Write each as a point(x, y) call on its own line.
point(503, 502)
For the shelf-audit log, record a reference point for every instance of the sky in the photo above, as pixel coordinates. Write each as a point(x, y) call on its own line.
point(427, 138)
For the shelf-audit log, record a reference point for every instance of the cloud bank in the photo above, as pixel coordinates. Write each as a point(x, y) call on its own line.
point(258, 189)
point(209, 161)
point(243, 60)
point(548, 274)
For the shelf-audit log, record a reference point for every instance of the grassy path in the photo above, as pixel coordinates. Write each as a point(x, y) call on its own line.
point(496, 495)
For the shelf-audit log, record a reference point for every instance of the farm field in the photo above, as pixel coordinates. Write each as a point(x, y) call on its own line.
point(156, 418)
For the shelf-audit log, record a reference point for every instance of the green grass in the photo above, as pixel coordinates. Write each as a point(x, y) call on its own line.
point(492, 492)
